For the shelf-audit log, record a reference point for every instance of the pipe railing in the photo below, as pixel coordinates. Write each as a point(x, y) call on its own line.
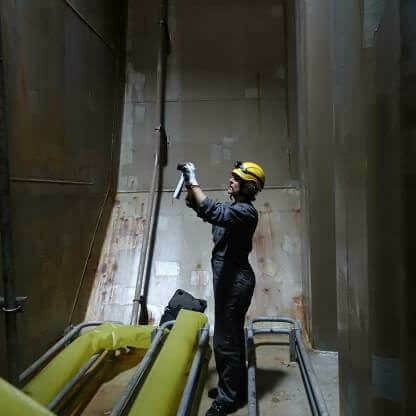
point(54, 349)
point(74, 380)
point(188, 395)
point(136, 382)
point(142, 369)
point(298, 353)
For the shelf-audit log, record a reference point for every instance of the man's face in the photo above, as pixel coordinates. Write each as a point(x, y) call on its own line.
point(233, 186)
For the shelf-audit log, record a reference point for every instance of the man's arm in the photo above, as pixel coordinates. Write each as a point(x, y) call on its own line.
point(195, 196)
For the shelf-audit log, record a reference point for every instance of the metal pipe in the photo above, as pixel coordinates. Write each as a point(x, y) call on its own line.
point(306, 383)
point(147, 243)
point(313, 380)
point(54, 349)
point(138, 377)
point(54, 181)
point(10, 306)
point(159, 161)
point(74, 380)
point(192, 382)
point(251, 374)
point(144, 248)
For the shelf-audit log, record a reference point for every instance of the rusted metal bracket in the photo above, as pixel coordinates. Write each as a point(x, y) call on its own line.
point(18, 308)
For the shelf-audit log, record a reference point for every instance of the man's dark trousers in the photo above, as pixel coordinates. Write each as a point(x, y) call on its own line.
point(233, 289)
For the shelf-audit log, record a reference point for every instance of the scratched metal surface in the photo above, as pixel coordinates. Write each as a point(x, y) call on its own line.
point(226, 100)
point(60, 84)
point(182, 257)
point(226, 90)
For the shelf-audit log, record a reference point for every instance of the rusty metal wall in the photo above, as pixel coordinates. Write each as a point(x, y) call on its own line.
point(226, 90)
point(374, 92)
point(229, 97)
point(61, 82)
point(182, 257)
point(317, 171)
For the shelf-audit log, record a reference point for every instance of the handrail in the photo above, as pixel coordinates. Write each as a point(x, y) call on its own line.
point(297, 353)
point(189, 391)
point(55, 348)
point(138, 377)
point(74, 380)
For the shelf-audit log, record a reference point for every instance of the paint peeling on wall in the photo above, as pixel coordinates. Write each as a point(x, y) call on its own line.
point(134, 85)
point(251, 92)
point(182, 257)
point(167, 268)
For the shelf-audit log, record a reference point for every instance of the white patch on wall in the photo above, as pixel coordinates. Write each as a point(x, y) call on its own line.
point(373, 12)
point(216, 153)
point(126, 153)
point(122, 295)
point(229, 141)
point(277, 11)
point(133, 114)
point(167, 268)
point(155, 313)
point(134, 84)
point(385, 378)
point(290, 245)
point(226, 154)
point(162, 223)
point(139, 113)
point(162, 289)
point(251, 92)
point(292, 191)
point(199, 278)
point(280, 72)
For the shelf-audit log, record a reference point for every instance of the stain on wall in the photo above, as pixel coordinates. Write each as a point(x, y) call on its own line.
point(182, 257)
point(63, 120)
point(226, 100)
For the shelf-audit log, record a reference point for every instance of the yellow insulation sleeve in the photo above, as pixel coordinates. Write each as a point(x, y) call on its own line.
point(15, 403)
point(51, 379)
point(162, 390)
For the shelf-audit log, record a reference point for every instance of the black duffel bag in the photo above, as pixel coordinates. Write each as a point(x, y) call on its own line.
point(182, 300)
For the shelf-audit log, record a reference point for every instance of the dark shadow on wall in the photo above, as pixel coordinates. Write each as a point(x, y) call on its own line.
point(64, 85)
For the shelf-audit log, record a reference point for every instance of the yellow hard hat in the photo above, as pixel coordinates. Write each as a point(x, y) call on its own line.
point(250, 171)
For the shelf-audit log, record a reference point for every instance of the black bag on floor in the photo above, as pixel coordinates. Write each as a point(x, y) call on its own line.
point(182, 300)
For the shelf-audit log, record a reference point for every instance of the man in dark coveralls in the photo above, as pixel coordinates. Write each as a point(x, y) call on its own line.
point(233, 226)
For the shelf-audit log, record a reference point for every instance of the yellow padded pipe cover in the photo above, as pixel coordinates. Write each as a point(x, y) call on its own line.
point(162, 390)
point(51, 379)
point(15, 403)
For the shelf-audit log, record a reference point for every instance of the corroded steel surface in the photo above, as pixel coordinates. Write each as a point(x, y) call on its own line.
point(182, 257)
point(61, 81)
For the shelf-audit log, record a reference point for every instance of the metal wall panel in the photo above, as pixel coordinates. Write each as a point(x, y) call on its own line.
point(226, 90)
point(373, 192)
point(227, 99)
point(182, 257)
point(61, 105)
point(318, 177)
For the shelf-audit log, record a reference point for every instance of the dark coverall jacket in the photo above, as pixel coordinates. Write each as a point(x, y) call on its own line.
point(233, 281)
